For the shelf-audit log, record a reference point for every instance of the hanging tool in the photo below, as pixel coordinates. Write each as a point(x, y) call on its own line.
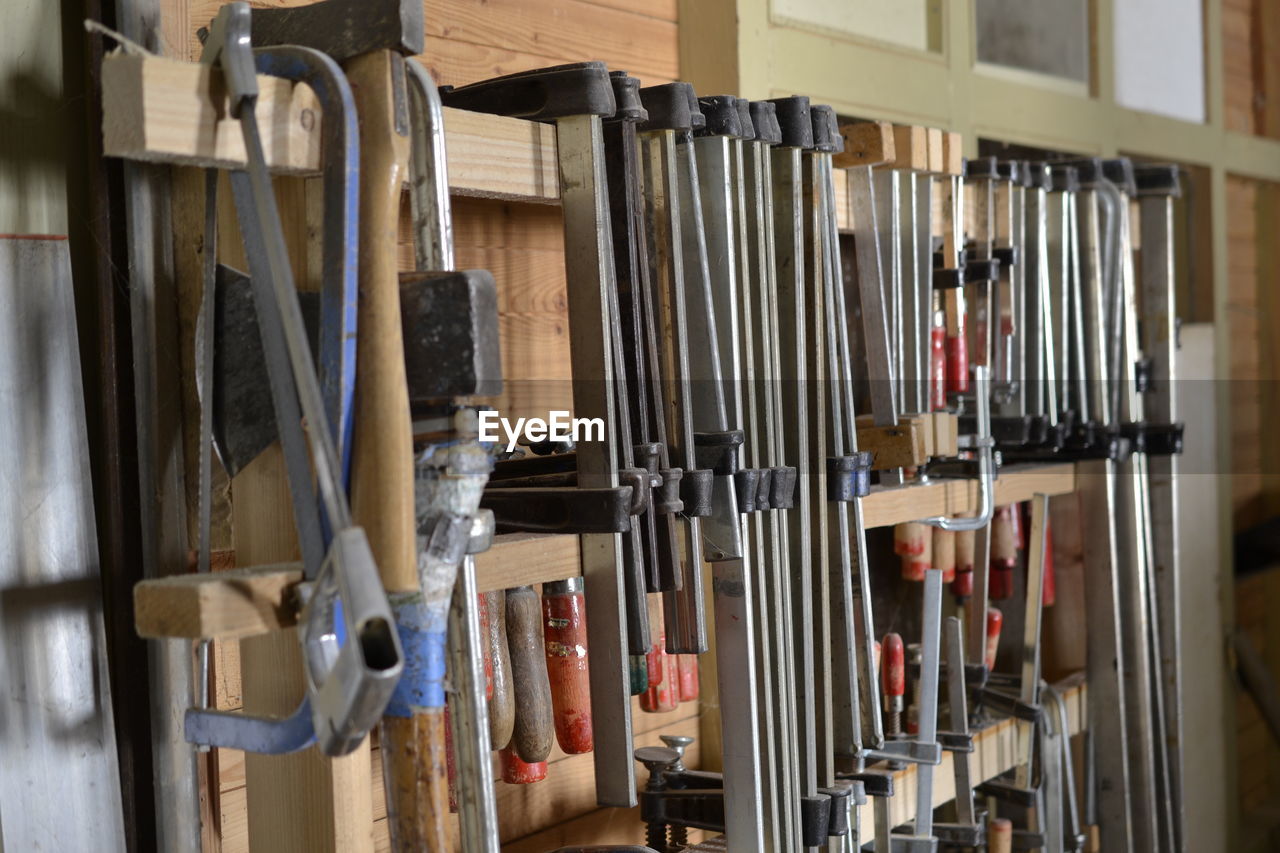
point(1157, 186)
point(502, 707)
point(565, 640)
point(534, 730)
point(801, 358)
point(719, 412)
point(516, 771)
point(667, 158)
point(583, 94)
point(772, 617)
point(967, 831)
point(349, 685)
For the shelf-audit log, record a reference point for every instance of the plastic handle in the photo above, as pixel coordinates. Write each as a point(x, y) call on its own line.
point(534, 730)
point(564, 629)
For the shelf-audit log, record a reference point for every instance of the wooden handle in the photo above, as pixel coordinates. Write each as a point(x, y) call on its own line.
point(517, 772)
point(1004, 553)
point(912, 542)
point(564, 627)
point(417, 780)
point(664, 688)
point(938, 367)
point(1050, 586)
point(414, 748)
point(995, 621)
point(687, 677)
point(482, 608)
point(502, 709)
point(1000, 835)
point(534, 731)
point(382, 450)
point(944, 553)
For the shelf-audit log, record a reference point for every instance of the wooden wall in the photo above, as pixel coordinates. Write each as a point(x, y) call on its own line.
point(1251, 66)
point(1253, 315)
point(466, 40)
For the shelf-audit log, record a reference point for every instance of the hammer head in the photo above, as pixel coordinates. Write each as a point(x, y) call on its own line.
point(344, 28)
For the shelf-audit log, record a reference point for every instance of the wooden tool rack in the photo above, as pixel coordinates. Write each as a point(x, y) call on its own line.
point(161, 111)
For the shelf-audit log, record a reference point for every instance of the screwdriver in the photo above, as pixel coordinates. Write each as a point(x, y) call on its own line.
point(534, 730)
point(564, 626)
point(502, 709)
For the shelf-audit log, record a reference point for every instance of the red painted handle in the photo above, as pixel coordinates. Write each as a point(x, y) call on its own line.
point(1000, 835)
point(912, 542)
point(517, 772)
point(957, 364)
point(564, 630)
point(1050, 583)
point(938, 367)
point(893, 676)
point(995, 621)
point(1004, 552)
point(482, 607)
point(962, 586)
point(664, 688)
point(687, 672)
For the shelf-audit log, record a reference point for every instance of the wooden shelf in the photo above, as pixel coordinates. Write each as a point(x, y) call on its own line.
point(250, 601)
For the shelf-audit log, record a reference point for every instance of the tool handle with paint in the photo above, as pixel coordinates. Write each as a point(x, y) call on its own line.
point(893, 681)
point(1000, 835)
point(995, 621)
point(944, 553)
point(516, 771)
point(564, 627)
point(966, 544)
point(663, 691)
point(502, 709)
point(534, 730)
point(687, 677)
point(938, 365)
point(482, 608)
point(1050, 588)
point(913, 543)
point(1004, 552)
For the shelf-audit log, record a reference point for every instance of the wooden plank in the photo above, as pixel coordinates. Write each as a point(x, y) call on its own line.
point(900, 446)
point(566, 30)
point(227, 605)
point(1266, 62)
point(866, 143)
point(248, 602)
point(911, 148)
point(953, 153)
point(161, 110)
point(500, 157)
point(937, 158)
point(887, 507)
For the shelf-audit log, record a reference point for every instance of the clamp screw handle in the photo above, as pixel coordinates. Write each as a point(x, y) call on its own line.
point(657, 760)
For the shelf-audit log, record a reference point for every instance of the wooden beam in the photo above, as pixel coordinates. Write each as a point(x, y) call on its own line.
point(911, 148)
point(249, 602)
point(900, 446)
point(937, 159)
point(165, 111)
point(227, 605)
point(866, 143)
point(887, 507)
point(953, 153)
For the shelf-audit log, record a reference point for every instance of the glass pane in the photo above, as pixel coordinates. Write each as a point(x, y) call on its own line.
point(1160, 57)
point(1048, 37)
